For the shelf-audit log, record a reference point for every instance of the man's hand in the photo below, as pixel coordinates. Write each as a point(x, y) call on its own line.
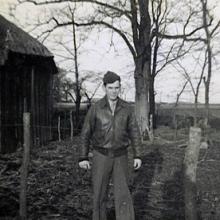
point(137, 163)
point(85, 164)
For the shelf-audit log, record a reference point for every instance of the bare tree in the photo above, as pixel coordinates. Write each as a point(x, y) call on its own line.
point(73, 88)
point(132, 21)
point(206, 42)
point(162, 58)
point(210, 33)
point(195, 84)
point(90, 95)
point(175, 122)
point(77, 85)
point(58, 81)
point(205, 38)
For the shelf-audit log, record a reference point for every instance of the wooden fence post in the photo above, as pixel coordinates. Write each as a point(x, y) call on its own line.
point(71, 125)
point(24, 168)
point(58, 127)
point(190, 168)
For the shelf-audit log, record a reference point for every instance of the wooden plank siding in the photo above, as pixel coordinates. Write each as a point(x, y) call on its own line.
point(11, 109)
point(0, 111)
point(25, 85)
point(26, 68)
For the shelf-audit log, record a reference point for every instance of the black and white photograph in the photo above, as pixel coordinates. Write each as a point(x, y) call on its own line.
point(109, 110)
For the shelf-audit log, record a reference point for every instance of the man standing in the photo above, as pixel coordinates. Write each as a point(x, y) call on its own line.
point(110, 126)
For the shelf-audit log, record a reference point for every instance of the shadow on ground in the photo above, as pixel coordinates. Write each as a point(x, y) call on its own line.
point(142, 182)
point(59, 190)
point(173, 197)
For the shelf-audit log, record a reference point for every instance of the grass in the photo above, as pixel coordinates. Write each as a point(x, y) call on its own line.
point(58, 189)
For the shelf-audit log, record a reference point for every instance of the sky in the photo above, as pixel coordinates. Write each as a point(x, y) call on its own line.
point(99, 57)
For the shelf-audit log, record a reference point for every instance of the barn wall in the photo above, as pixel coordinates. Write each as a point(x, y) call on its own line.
point(0, 110)
point(42, 106)
point(14, 88)
point(17, 96)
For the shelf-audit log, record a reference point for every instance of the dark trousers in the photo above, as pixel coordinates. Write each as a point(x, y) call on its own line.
point(103, 167)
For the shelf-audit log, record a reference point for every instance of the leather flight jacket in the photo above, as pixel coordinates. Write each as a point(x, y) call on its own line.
point(110, 133)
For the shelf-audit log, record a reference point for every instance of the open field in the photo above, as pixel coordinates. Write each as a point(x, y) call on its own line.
point(58, 189)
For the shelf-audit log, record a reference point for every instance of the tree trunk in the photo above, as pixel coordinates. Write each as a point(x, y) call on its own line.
point(141, 97)
point(207, 86)
point(78, 87)
point(195, 111)
point(190, 168)
point(209, 36)
point(152, 101)
point(78, 102)
point(71, 125)
point(142, 60)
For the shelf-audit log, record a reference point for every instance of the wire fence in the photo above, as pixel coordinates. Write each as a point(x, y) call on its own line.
point(12, 135)
point(63, 127)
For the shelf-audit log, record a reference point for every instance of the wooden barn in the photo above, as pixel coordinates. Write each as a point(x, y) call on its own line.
point(26, 72)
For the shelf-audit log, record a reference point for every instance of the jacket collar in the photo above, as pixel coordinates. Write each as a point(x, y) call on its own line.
point(104, 103)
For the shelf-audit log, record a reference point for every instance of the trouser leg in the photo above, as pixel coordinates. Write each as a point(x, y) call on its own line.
point(123, 202)
point(101, 171)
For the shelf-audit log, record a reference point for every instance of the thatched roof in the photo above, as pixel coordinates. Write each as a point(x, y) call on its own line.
point(14, 39)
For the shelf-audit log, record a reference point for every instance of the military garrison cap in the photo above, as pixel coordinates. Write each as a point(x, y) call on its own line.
point(111, 77)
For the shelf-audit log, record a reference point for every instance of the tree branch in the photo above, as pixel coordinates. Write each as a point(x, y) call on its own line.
point(106, 5)
point(180, 93)
point(110, 26)
point(215, 28)
point(134, 23)
point(183, 36)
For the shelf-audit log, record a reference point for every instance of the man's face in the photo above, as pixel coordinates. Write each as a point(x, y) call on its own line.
point(112, 90)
